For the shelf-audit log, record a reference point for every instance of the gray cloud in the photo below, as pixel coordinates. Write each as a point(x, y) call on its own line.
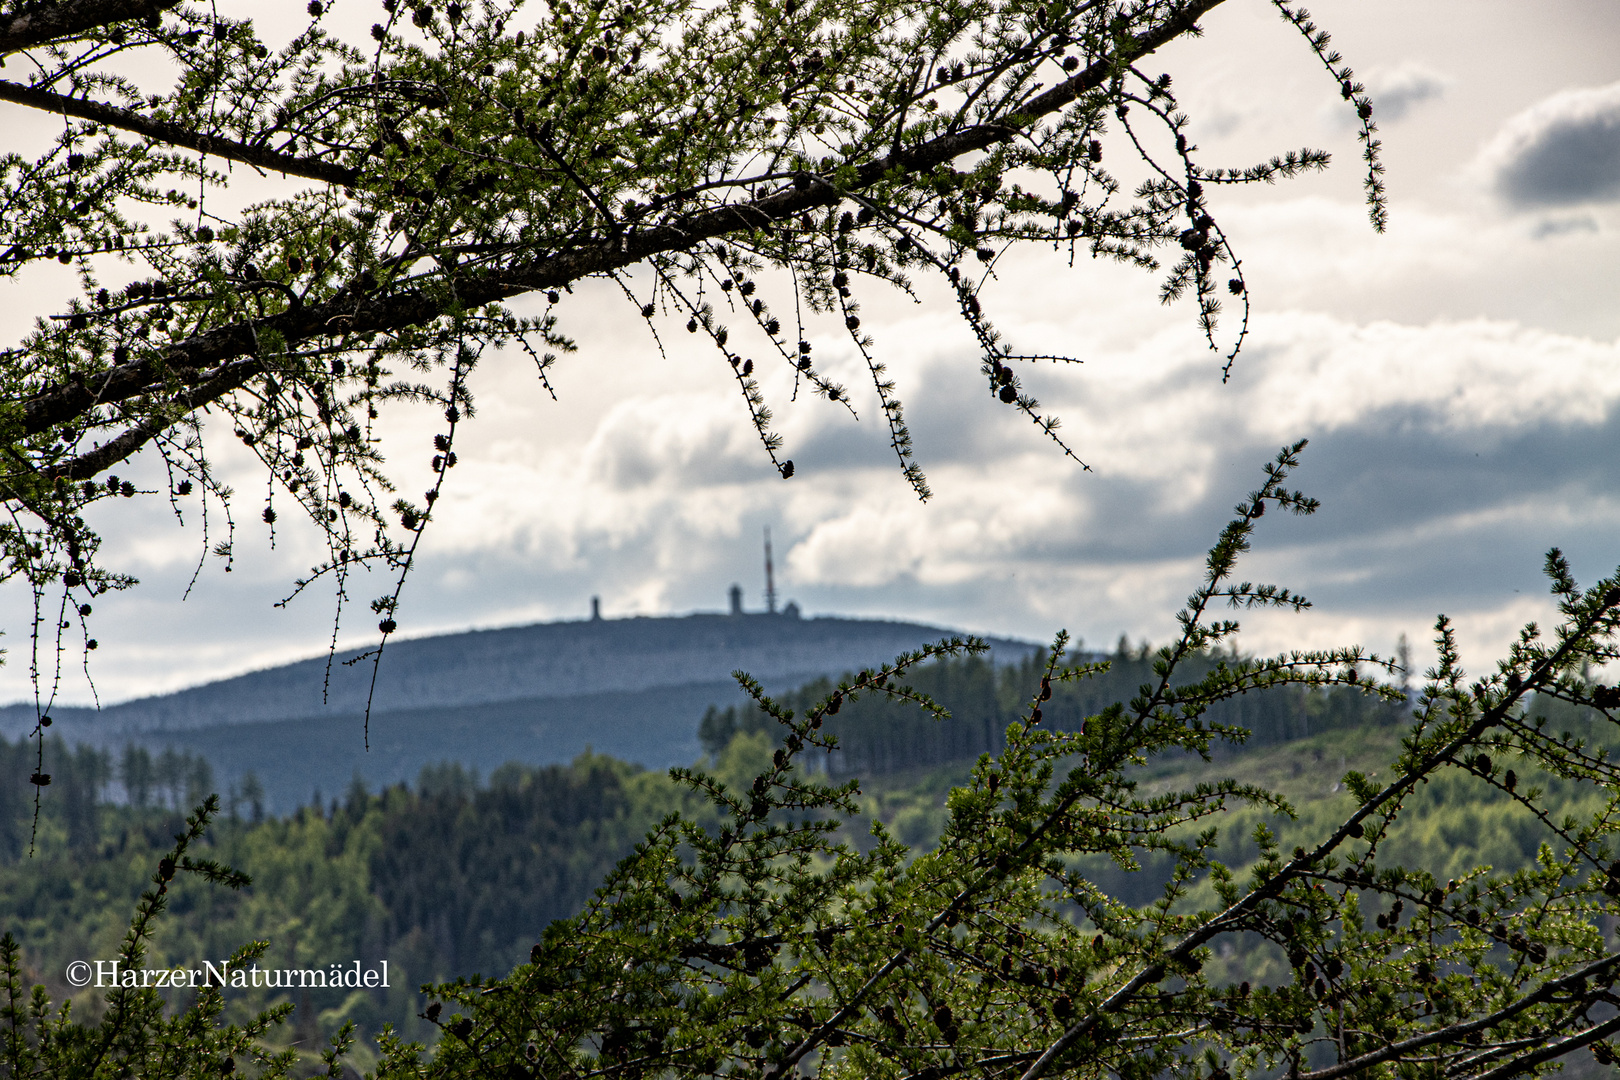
point(1396, 93)
point(1413, 514)
point(1419, 516)
point(1579, 224)
point(1448, 456)
point(1562, 152)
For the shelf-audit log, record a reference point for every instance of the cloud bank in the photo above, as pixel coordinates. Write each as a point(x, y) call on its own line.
point(1561, 152)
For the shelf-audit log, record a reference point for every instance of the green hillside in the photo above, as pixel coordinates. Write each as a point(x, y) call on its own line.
point(455, 876)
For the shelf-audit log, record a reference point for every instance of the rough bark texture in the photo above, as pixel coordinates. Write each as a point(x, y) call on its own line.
point(176, 135)
point(52, 22)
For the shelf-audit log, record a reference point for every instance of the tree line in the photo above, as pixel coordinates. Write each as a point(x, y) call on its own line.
point(878, 735)
point(82, 777)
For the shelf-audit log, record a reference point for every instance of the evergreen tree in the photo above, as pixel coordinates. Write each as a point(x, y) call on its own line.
point(877, 735)
point(136, 773)
point(253, 796)
point(763, 947)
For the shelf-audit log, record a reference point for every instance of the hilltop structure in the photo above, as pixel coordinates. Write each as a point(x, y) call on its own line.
point(635, 688)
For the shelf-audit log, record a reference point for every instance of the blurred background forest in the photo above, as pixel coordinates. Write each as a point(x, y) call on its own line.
point(457, 874)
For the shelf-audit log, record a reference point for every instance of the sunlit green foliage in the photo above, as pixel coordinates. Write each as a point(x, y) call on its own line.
point(771, 945)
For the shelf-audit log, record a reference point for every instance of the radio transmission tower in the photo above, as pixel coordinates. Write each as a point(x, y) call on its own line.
point(770, 577)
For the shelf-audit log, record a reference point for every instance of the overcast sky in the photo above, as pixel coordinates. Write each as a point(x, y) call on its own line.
point(1458, 379)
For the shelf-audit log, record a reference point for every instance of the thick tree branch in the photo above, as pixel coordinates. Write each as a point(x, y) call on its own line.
point(132, 439)
point(52, 22)
point(412, 306)
point(104, 456)
point(176, 135)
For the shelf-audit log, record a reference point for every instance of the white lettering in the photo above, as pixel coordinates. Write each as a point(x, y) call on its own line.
point(223, 973)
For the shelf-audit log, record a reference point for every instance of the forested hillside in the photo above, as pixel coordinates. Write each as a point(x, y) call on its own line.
point(543, 694)
point(451, 877)
point(878, 735)
point(457, 876)
point(516, 663)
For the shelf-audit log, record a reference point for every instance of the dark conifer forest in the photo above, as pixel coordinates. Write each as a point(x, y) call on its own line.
point(878, 735)
point(458, 875)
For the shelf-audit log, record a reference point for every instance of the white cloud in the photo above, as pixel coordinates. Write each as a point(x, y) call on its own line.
point(1461, 377)
point(1459, 381)
point(693, 439)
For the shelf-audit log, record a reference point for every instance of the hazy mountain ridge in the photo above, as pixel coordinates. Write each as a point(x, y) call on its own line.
point(635, 688)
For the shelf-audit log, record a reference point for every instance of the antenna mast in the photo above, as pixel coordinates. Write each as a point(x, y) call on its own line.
point(770, 579)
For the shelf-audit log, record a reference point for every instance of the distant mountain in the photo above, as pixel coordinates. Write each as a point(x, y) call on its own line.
point(634, 688)
point(294, 759)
